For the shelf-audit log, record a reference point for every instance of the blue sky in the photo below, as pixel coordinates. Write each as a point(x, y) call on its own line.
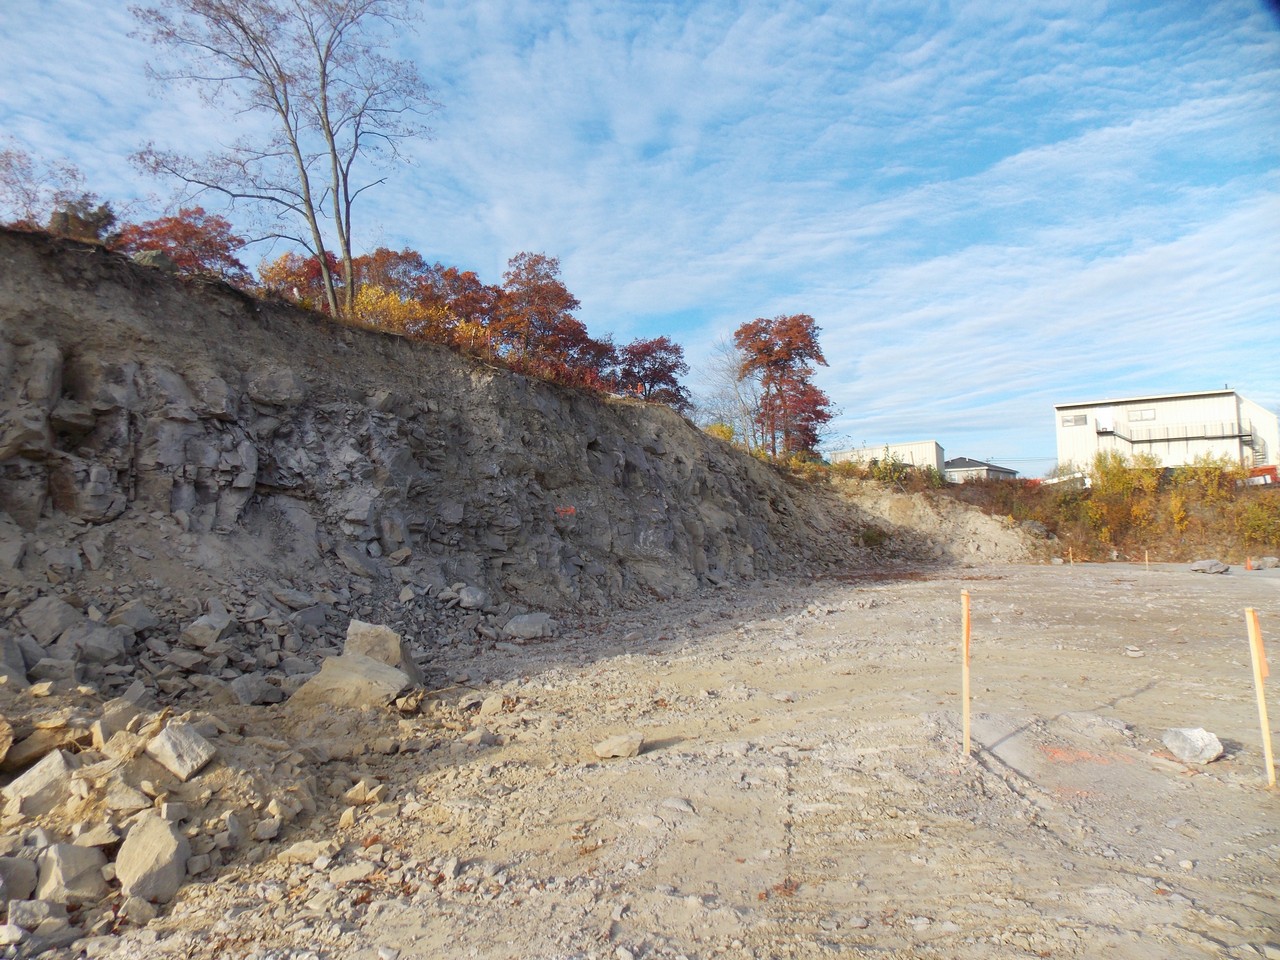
point(989, 207)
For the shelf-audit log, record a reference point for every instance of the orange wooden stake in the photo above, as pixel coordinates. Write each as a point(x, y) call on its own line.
point(1260, 672)
point(964, 674)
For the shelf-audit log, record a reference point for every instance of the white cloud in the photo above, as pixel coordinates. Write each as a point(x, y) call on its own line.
point(985, 205)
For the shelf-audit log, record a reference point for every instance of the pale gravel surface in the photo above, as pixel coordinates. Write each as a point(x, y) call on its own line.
point(801, 793)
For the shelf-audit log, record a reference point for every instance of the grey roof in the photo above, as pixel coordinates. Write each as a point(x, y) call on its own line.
point(968, 463)
point(1161, 396)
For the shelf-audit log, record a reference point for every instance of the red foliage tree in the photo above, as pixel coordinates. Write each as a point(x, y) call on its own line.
point(651, 368)
point(298, 278)
point(781, 353)
point(197, 243)
point(535, 329)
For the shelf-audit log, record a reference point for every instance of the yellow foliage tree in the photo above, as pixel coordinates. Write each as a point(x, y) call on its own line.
point(384, 309)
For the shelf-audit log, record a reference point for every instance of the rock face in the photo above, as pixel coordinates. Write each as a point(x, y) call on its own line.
point(359, 453)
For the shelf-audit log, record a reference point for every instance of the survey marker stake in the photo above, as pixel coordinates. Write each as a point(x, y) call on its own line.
point(1260, 672)
point(964, 673)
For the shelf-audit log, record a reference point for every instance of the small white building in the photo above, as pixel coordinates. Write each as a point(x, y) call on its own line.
point(964, 468)
point(1175, 428)
point(922, 453)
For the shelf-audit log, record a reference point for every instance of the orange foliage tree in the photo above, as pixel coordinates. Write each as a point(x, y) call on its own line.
point(535, 328)
point(197, 243)
point(299, 278)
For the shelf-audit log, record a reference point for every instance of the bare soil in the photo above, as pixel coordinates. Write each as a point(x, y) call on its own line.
point(801, 791)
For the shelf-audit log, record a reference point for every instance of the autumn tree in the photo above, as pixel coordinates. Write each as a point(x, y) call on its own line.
point(292, 276)
point(406, 272)
point(475, 307)
point(196, 242)
point(781, 353)
point(84, 218)
point(535, 329)
point(651, 369)
point(337, 102)
point(398, 290)
point(536, 310)
point(385, 309)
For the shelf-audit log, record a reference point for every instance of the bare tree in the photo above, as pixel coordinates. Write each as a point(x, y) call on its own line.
point(730, 397)
point(338, 103)
point(31, 189)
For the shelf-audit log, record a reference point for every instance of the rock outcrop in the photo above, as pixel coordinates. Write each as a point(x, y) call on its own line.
point(125, 388)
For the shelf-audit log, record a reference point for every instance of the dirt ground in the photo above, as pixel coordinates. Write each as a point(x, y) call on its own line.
point(801, 791)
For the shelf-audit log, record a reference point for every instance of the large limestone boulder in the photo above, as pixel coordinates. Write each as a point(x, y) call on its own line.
point(71, 874)
point(181, 750)
point(48, 617)
point(152, 862)
point(382, 644)
point(41, 788)
point(351, 680)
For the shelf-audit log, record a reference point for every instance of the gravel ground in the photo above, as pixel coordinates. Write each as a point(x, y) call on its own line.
point(801, 790)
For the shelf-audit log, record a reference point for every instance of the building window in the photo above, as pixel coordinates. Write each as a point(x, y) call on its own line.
point(1075, 420)
point(1138, 415)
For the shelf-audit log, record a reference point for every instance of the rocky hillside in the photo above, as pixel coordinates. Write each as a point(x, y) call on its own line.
point(202, 497)
point(257, 437)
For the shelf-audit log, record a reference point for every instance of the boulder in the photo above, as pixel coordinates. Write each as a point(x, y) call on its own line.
point(309, 851)
point(88, 642)
point(71, 874)
point(529, 626)
point(17, 878)
point(1209, 566)
point(42, 787)
point(351, 680)
point(6, 740)
point(156, 259)
point(620, 745)
point(210, 628)
point(1193, 744)
point(254, 688)
point(152, 862)
point(53, 668)
point(134, 616)
point(12, 661)
point(180, 750)
point(48, 617)
point(382, 644)
point(472, 598)
point(356, 559)
point(276, 386)
point(29, 914)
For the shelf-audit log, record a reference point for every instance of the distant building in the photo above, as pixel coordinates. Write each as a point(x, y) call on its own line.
point(923, 453)
point(1175, 428)
point(962, 468)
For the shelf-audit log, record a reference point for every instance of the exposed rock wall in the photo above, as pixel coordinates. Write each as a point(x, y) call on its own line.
point(282, 440)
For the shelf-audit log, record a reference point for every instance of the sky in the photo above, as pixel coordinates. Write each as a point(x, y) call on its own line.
point(988, 207)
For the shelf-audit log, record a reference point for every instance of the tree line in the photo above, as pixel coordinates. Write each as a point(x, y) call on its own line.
point(340, 107)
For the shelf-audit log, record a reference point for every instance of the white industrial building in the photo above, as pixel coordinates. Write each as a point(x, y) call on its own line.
point(1175, 428)
point(966, 468)
point(922, 453)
